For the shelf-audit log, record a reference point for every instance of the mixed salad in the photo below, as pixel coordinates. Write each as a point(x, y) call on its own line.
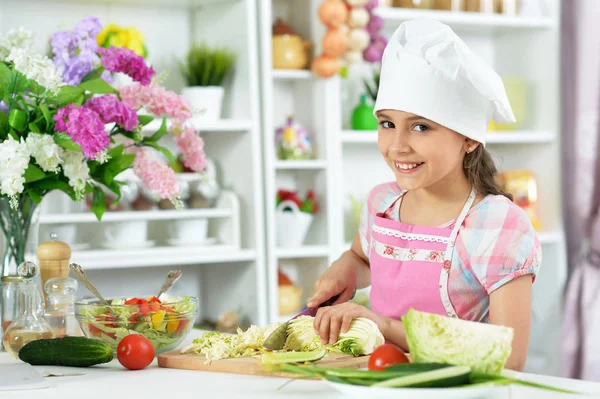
point(165, 320)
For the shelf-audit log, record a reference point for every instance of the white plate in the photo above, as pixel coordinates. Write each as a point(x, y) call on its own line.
point(81, 246)
point(191, 243)
point(358, 391)
point(126, 245)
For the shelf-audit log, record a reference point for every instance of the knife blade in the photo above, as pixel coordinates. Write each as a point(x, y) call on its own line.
point(276, 340)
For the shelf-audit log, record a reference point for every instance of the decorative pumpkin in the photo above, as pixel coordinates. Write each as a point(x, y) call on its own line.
point(359, 39)
point(326, 66)
point(335, 42)
point(359, 18)
point(333, 13)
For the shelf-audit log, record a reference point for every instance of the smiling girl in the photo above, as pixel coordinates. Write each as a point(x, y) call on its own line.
point(443, 237)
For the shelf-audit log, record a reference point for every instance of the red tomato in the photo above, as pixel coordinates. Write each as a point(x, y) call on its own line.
point(135, 352)
point(385, 356)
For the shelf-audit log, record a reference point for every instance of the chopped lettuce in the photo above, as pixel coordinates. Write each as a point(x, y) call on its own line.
point(440, 339)
point(218, 345)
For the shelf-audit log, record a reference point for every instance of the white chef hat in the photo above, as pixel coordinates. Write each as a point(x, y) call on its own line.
point(429, 71)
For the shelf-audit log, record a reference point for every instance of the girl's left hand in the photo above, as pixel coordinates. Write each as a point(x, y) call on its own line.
point(330, 321)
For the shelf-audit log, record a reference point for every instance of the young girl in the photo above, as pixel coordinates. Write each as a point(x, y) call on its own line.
point(443, 237)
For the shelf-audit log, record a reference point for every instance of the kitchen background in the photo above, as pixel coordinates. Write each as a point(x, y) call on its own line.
point(295, 131)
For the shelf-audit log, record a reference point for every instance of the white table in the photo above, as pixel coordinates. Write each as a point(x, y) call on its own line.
point(113, 381)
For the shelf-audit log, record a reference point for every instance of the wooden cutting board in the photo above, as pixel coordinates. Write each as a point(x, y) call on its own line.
point(249, 365)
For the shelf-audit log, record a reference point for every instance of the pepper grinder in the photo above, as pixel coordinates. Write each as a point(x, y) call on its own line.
point(54, 258)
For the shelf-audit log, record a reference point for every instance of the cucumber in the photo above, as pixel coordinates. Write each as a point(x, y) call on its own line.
point(67, 351)
point(292, 357)
point(412, 368)
point(441, 378)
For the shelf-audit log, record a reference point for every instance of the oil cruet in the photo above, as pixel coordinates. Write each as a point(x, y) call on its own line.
point(29, 325)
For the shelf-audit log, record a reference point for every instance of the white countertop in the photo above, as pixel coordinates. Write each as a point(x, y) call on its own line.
point(111, 380)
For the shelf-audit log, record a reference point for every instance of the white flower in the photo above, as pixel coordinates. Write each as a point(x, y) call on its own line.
point(37, 67)
point(15, 38)
point(14, 160)
point(46, 152)
point(76, 169)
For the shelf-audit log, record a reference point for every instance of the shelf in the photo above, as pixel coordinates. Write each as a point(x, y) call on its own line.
point(157, 3)
point(223, 125)
point(466, 20)
point(496, 137)
point(292, 74)
point(161, 256)
point(307, 164)
point(308, 251)
point(89, 217)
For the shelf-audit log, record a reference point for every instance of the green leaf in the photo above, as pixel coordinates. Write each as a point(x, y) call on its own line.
point(164, 151)
point(6, 77)
point(98, 86)
point(34, 128)
point(21, 83)
point(145, 119)
point(53, 183)
point(4, 127)
point(13, 134)
point(17, 119)
point(117, 165)
point(67, 95)
point(34, 195)
point(95, 74)
point(65, 141)
point(116, 151)
point(99, 202)
point(33, 173)
point(46, 113)
point(159, 133)
point(88, 188)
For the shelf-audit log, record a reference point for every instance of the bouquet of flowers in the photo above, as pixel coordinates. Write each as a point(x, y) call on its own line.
point(308, 205)
point(64, 127)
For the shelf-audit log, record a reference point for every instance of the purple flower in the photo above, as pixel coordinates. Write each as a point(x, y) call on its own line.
point(75, 52)
point(111, 110)
point(120, 59)
point(3, 107)
point(85, 128)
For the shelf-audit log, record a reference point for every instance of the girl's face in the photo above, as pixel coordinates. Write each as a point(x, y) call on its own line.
point(420, 152)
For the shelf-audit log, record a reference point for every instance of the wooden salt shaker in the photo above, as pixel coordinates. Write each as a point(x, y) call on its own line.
point(54, 258)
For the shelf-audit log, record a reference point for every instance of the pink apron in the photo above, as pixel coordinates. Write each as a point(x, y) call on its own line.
point(410, 265)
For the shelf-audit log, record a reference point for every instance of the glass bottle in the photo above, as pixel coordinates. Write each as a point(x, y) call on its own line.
point(11, 301)
point(29, 325)
point(60, 310)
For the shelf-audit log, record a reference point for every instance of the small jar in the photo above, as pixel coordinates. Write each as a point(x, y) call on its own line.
point(11, 301)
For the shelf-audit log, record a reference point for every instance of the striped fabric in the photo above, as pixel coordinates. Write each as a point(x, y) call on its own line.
point(495, 244)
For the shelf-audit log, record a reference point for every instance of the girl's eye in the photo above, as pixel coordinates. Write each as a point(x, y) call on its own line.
point(419, 127)
point(386, 125)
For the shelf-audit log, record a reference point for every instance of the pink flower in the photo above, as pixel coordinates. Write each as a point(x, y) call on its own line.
point(121, 59)
point(192, 148)
point(433, 256)
point(85, 128)
point(155, 174)
point(389, 250)
point(111, 110)
point(158, 101)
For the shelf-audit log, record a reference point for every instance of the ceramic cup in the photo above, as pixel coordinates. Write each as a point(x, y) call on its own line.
point(122, 234)
point(186, 230)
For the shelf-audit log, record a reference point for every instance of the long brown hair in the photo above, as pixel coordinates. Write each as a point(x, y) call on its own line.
point(480, 169)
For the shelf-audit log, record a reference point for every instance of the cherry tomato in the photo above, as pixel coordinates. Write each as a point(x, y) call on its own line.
point(135, 352)
point(385, 356)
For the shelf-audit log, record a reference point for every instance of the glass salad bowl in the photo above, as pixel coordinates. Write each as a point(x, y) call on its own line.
point(165, 321)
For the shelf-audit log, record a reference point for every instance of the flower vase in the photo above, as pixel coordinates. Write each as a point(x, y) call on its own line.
point(19, 226)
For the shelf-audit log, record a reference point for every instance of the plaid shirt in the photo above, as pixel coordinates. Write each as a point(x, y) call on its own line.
point(495, 244)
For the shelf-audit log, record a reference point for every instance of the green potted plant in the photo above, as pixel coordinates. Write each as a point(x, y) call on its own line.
point(362, 115)
point(204, 69)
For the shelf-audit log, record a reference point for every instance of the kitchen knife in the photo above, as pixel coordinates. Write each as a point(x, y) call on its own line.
point(276, 340)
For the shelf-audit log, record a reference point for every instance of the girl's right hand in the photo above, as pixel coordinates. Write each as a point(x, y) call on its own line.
point(340, 278)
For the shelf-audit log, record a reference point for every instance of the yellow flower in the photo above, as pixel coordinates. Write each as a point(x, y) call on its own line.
point(108, 30)
point(130, 38)
point(289, 135)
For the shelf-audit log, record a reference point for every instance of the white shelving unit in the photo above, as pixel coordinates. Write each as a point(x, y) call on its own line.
point(231, 274)
point(297, 93)
point(515, 46)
